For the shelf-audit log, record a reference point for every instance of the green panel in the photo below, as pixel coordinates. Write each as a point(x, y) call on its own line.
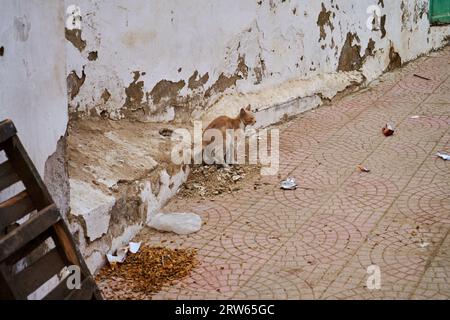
point(439, 11)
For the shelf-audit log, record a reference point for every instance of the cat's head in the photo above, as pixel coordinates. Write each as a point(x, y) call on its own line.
point(247, 116)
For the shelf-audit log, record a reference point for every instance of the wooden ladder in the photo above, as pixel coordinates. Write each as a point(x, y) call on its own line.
point(39, 249)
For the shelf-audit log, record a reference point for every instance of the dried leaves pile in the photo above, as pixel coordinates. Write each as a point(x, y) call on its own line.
point(207, 181)
point(145, 272)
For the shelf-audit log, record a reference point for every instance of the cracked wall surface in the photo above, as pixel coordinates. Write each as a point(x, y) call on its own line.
point(191, 54)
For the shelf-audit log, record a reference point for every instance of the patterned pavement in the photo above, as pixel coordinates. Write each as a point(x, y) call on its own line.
point(316, 242)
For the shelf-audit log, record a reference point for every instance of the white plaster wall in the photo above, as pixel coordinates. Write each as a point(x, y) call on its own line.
point(170, 39)
point(33, 74)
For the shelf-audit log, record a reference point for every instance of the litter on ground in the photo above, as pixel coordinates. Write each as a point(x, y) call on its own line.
point(443, 156)
point(388, 130)
point(288, 184)
point(362, 168)
point(121, 253)
point(179, 223)
point(209, 180)
point(421, 77)
point(146, 272)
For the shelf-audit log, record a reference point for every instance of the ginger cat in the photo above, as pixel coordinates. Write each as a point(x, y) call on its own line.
point(224, 123)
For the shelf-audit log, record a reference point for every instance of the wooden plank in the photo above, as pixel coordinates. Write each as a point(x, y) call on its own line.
point(59, 292)
point(64, 241)
point(87, 291)
point(28, 231)
point(26, 171)
point(7, 130)
point(7, 175)
point(35, 275)
point(6, 292)
point(14, 209)
point(28, 249)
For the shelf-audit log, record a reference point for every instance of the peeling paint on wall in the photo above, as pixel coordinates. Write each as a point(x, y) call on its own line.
point(242, 68)
point(74, 37)
point(166, 91)
point(134, 93)
point(93, 55)
point(194, 83)
point(252, 45)
point(350, 58)
point(324, 19)
point(383, 26)
point(259, 70)
point(395, 61)
point(106, 95)
point(74, 83)
point(222, 83)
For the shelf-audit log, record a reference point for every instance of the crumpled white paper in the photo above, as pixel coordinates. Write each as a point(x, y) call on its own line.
point(122, 252)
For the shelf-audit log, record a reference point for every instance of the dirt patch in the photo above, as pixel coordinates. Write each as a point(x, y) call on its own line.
point(74, 83)
point(208, 181)
point(74, 37)
point(146, 272)
point(193, 83)
point(322, 20)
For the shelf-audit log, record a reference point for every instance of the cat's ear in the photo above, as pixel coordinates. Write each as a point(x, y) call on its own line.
point(249, 108)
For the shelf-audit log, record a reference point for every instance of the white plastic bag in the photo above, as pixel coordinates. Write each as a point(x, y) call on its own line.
point(180, 223)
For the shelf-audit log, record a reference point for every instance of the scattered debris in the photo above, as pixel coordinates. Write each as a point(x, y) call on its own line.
point(209, 181)
point(134, 247)
point(421, 77)
point(288, 184)
point(146, 272)
point(180, 223)
point(166, 132)
point(236, 177)
point(118, 257)
point(388, 130)
point(415, 117)
point(362, 168)
point(121, 253)
point(443, 156)
point(424, 244)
